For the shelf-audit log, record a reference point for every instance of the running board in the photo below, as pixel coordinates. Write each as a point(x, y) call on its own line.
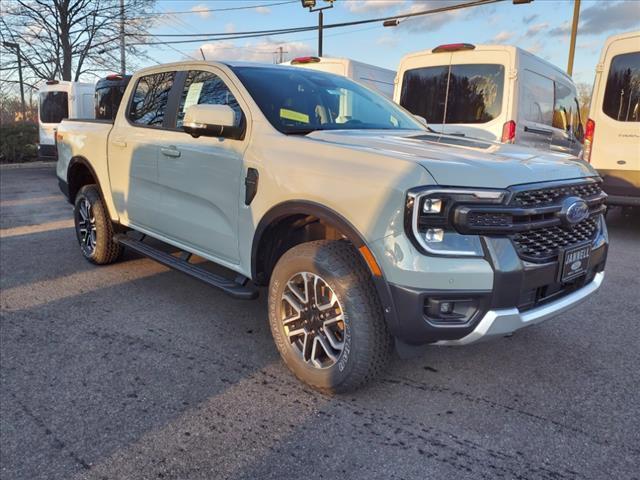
point(234, 288)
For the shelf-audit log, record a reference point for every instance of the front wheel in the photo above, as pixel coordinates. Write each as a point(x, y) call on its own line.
point(94, 228)
point(326, 318)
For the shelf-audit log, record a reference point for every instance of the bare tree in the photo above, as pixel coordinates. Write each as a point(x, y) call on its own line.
point(584, 100)
point(65, 39)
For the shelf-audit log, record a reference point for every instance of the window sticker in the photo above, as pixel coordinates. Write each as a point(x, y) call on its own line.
point(292, 115)
point(193, 95)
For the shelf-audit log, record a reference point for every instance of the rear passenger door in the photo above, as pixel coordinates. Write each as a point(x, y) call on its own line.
point(133, 151)
point(201, 178)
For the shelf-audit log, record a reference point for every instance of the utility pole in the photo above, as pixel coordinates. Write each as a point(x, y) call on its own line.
point(574, 34)
point(17, 48)
point(320, 22)
point(311, 5)
point(123, 65)
point(281, 51)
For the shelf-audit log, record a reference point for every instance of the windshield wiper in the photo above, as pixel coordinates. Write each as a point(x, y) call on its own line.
point(302, 131)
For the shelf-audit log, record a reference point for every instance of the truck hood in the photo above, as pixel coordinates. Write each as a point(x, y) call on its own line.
point(458, 161)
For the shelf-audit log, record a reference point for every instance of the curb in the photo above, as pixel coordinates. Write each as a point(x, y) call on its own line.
point(37, 164)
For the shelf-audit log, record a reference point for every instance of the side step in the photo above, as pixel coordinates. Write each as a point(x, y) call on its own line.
point(230, 287)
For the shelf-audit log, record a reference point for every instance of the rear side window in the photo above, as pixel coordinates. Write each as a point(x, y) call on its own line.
point(454, 94)
point(54, 106)
point(149, 102)
point(622, 93)
point(206, 88)
point(566, 113)
point(537, 96)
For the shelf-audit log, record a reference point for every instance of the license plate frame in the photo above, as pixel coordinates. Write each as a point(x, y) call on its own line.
point(574, 262)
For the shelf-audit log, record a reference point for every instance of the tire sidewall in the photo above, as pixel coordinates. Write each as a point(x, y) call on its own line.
point(328, 378)
point(92, 195)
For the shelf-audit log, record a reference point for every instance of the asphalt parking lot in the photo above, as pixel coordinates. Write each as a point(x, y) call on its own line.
point(135, 371)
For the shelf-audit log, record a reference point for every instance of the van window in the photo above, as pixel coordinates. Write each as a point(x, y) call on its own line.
point(538, 93)
point(54, 106)
point(566, 113)
point(474, 93)
point(150, 99)
point(622, 93)
point(206, 88)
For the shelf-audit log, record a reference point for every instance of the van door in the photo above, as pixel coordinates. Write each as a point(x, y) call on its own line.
point(616, 144)
point(535, 123)
point(567, 130)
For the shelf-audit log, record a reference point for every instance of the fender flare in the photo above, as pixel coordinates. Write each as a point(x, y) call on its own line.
point(336, 220)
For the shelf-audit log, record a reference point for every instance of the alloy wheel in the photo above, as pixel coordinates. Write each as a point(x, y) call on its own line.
point(313, 320)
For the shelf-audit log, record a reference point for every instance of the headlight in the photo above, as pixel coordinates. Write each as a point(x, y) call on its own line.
point(429, 219)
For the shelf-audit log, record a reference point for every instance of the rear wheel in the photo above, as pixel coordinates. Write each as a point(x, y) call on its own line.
point(326, 318)
point(94, 228)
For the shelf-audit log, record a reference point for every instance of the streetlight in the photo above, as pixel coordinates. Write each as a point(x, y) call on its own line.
point(17, 48)
point(311, 5)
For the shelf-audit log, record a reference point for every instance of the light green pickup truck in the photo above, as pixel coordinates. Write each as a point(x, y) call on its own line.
point(366, 227)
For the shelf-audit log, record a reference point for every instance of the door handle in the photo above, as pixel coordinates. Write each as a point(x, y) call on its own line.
point(118, 142)
point(538, 131)
point(170, 152)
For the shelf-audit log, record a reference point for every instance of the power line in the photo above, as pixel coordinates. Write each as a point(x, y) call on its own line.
point(284, 31)
point(226, 9)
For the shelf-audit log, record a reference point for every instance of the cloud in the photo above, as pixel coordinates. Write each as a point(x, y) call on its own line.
point(604, 17)
point(387, 41)
point(502, 37)
point(536, 48)
point(263, 10)
point(434, 21)
point(535, 29)
point(264, 51)
point(529, 18)
point(561, 30)
point(359, 6)
point(201, 10)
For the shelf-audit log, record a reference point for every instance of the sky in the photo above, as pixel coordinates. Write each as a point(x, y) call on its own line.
point(541, 27)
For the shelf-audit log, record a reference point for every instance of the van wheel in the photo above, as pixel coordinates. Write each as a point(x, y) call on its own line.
point(326, 318)
point(94, 228)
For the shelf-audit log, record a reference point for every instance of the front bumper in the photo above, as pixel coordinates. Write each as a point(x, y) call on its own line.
point(497, 323)
point(520, 294)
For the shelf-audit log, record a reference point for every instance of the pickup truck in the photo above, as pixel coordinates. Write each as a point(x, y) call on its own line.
point(367, 229)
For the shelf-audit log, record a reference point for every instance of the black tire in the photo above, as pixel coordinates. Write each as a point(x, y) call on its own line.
point(100, 248)
point(367, 343)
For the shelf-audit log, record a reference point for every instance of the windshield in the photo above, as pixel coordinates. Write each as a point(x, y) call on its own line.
point(54, 106)
point(301, 101)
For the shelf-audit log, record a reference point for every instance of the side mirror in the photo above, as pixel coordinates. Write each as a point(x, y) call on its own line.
point(211, 121)
point(421, 119)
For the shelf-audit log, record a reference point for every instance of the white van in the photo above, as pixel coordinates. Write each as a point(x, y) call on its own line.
point(58, 100)
point(493, 92)
point(612, 133)
point(376, 78)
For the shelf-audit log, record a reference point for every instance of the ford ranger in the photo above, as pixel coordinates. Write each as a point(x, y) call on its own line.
point(366, 227)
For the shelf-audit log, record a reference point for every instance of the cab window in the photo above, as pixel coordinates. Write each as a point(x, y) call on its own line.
point(149, 103)
point(622, 93)
point(206, 88)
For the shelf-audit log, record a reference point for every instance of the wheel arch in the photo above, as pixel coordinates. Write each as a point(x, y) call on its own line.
point(80, 173)
point(284, 216)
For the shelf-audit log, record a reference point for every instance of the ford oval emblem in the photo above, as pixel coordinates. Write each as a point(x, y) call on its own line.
point(574, 210)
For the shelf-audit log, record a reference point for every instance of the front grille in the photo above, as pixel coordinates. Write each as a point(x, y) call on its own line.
point(544, 244)
point(491, 219)
point(551, 195)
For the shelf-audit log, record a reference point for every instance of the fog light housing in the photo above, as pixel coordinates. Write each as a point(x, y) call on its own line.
point(450, 311)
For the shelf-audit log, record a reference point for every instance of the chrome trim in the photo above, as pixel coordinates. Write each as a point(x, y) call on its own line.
point(496, 323)
point(417, 196)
